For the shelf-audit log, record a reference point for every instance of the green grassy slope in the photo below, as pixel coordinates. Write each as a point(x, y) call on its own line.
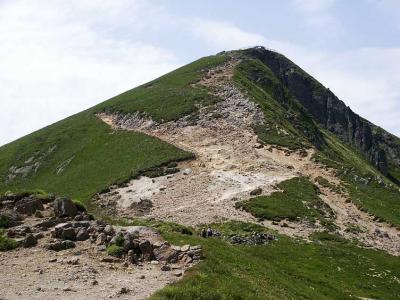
point(379, 197)
point(286, 269)
point(297, 200)
point(91, 154)
point(168, 97)
point(288, 124)
point(100, 157)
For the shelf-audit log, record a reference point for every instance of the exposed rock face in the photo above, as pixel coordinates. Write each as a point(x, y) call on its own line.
point(64, 207)
point(378, 146)
point(28, 206)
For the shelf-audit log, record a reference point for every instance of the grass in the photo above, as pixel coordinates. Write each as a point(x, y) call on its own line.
point(168, 97)
point(287, 122)
point(328, 268)
point(81, 156)
point(4, 221)
point(333, 187)
point(115, 250)
point(298, 200)
point(238, 228)
point(382, 202)
point(6, 243)
point(101, 157)
point(378, 200)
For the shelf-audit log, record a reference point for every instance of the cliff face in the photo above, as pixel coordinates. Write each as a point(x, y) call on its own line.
point(379, 147)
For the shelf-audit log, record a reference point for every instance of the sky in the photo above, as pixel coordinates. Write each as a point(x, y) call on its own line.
point(60, 57)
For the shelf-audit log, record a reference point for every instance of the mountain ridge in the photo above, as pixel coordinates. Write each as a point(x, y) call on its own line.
point(332, 113)
point(300, 200)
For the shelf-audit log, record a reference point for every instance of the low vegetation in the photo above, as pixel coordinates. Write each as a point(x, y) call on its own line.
point(328, 268)
point(287, 123)
point(168, 97)
point(298, 200)
point(101, 157)
point(80, 156)
point(6, 243)
point(115, 250)
point(367, 188)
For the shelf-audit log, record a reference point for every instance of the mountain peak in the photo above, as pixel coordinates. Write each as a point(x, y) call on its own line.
point(245, 143)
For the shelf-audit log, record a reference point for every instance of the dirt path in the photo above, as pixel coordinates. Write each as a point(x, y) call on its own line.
point(229, 164)
point(76, 274)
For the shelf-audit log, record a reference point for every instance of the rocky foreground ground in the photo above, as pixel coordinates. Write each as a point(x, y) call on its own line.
point(63, 253)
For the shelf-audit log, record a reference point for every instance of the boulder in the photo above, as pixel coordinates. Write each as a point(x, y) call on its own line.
point(166, 253)
point(130, 244)
point(68, 234)
point(82, 234)
point(28, 206)
point(101, 239)
point(132, 257)
point(165, 268)
point(46, 224)
point(10, 219)
point(109, 230)
point(147, 250)
point(64, 231)
point(29, 241)
point(185, 248)
point(20, 230)
point(60, 245)
point(65, 207)
point(256, 192)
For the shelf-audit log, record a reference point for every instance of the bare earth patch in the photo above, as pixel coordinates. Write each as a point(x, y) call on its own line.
point(229, 164)
point(86, 271)
point(33, 274)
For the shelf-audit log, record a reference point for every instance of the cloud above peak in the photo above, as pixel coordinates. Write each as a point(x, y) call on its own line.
point(224, 35)
point(60, 57)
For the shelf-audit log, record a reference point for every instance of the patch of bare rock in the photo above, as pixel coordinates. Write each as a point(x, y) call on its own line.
point(231, 165)
point(63, 253)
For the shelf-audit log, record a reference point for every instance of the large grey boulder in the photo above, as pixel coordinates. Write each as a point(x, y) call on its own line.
point(65, 207)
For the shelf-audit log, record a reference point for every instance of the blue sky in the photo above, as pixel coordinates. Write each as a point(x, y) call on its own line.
point(60, 57)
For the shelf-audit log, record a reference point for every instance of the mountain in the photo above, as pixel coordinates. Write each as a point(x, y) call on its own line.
point(302, 194)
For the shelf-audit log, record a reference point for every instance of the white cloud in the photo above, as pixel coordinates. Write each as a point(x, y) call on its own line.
point(317, 14)
point(313, 6)
point(367, 79)
point(57, 58)
point(224, 36)
point(390, 8)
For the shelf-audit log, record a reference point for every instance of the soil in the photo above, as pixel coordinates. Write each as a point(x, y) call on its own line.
point(83, 272)
point(230, 163)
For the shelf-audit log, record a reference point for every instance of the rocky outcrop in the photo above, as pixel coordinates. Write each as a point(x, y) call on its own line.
point(64, 207)
point(379, 147)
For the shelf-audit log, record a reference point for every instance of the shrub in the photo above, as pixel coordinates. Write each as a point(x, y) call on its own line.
point(4, 221)
point(7, 243)
point(115, 250)
point(119, 241)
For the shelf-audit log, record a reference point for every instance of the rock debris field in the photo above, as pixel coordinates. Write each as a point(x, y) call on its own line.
point(230, 163)
point(64, 254)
